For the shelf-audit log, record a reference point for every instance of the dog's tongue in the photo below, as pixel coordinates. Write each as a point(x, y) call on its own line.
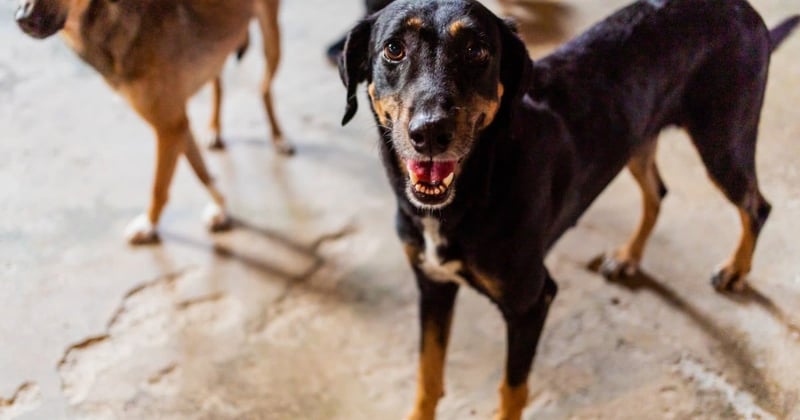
point(431, 172)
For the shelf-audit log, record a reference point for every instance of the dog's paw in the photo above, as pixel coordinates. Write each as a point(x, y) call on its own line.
point(216, 218)
point(419, 414)
point(283, 147)
point(140, 231)
point(216, 143)
point(728, 279)
point(614, 267)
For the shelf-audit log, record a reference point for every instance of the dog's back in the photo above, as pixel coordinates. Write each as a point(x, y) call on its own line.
point(646, 57)
point(698, 64)
point(648, 66)
point(128, 39)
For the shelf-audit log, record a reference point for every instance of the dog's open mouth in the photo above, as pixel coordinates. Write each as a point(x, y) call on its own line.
point(431, 180)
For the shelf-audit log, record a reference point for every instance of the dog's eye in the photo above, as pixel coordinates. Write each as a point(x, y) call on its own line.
point(394, 50)
point(477, 53)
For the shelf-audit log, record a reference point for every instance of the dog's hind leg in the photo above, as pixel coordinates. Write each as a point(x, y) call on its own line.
point(216, 110)
point(216, 216)
point(733, 170)
point(724, 131)
point(267, 14)
point(731, 165)
point(625, 260)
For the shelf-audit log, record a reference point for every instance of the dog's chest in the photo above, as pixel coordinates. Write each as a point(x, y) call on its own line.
point(431, 260)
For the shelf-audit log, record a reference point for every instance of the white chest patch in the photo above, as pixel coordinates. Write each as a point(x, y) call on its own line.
point(431, 261)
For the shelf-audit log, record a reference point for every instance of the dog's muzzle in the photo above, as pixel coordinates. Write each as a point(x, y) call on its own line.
point(35, 22)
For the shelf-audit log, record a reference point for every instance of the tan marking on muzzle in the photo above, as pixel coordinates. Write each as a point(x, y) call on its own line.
point(384, 106)
point(488, 107)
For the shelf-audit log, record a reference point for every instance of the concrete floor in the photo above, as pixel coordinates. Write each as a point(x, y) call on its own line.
point(308, 310)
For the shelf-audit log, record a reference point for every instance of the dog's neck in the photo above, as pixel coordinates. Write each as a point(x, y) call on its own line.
point(101, 32)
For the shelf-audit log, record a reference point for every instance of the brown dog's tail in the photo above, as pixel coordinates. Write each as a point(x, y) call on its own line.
point(779, 33)
point(242, 50)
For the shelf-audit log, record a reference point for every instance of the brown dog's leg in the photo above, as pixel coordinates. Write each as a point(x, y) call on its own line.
point(753, 214)
point(216, 216)
point(524, 330)
point(436, 312)
point(267, 14)
point(625, 260)
point(216, 110)
point(170, 143)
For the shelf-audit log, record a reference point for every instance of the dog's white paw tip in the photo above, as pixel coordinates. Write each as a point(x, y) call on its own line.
point(284, 148)
point(216, 218)
point(140, 231)
point(613, 268)
point(216, 143)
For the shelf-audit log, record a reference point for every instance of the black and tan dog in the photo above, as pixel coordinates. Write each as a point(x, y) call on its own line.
point(492, 156)
point(157, 54)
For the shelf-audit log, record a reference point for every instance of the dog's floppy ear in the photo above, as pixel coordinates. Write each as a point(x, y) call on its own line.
point(515, 63)
point(354, 64)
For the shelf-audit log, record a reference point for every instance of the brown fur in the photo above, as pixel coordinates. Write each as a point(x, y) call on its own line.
point(455, 27)
point(492, 287)
point(384, 106)
point(488, 107)
point(512, 401)
point(642, 167)
point(157, 54)
point(414, 23)
point(430, 377)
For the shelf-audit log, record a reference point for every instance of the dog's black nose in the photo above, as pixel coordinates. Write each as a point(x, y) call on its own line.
point(24, 11)
point(431, 132)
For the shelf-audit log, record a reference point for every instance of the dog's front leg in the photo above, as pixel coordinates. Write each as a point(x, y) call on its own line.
point(436, 303)
point(524, 329)
point(170, 144)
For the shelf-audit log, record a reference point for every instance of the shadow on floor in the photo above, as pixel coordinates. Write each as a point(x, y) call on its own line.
point(731, 344)
point(309, 252)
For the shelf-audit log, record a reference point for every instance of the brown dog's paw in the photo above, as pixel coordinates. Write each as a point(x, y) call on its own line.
point(217, 219)
point(728, 279)
point(420, 414)
point(216, 143)
point(284, 148)
point(614, 267)
point(141, 232)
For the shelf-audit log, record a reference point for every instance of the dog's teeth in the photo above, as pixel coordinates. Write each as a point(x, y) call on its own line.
point(449, 180)
point(414, 178)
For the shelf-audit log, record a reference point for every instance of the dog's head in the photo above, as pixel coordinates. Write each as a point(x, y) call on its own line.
point(42, 18)
point(438, 73)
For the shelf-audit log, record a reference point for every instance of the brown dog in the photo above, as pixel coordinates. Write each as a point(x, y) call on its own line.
point(157, 54)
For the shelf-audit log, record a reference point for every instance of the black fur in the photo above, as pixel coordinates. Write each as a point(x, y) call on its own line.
point(566, 126)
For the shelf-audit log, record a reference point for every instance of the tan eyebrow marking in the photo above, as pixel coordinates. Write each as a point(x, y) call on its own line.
point(414, 22)
point(457, 26)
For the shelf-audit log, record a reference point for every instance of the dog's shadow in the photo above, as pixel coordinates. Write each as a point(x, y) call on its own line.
point(729, 343)
point(541, 21)
point(307, 258)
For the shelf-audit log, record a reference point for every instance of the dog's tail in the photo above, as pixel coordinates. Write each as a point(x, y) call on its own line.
point(779, 33)
point(242, 50)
